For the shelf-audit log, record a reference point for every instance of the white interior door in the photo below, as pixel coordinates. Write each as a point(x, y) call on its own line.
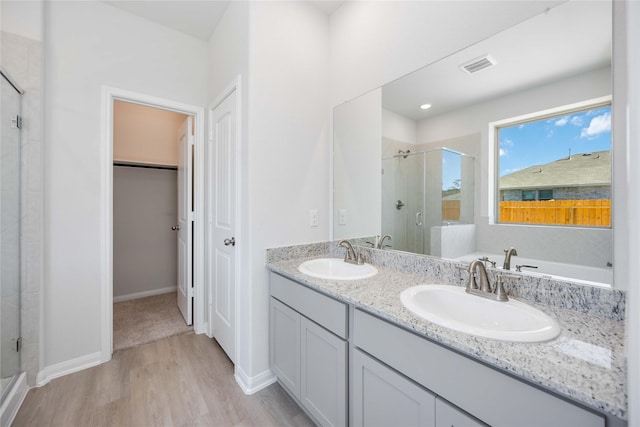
point(222, 213)
point(185, 219)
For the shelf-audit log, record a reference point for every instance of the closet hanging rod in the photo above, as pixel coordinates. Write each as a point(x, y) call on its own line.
point(145, 166)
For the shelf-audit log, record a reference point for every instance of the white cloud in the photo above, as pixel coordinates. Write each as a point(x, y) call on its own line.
point(576, 121)
point(508, 142)
point(503, 152)
point(562, 121)
point(598, 125)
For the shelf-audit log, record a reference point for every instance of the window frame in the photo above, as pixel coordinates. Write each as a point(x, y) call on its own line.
point(493, 196)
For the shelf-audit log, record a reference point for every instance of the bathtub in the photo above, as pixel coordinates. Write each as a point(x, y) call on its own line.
point(576, 273)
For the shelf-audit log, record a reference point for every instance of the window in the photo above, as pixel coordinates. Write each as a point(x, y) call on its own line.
point(556, 169)
point(545, 194)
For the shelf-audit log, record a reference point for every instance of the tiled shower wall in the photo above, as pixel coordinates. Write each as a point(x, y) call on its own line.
point(21, 57)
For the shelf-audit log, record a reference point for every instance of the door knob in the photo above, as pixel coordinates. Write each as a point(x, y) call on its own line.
point(230, 242)
point(175, 228)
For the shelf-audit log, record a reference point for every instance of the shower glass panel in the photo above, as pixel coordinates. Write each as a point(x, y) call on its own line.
point(403, 201)
point(423, 190)
point(10, 125)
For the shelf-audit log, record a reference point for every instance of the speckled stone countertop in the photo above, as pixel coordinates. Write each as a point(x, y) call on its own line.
point(586, 363)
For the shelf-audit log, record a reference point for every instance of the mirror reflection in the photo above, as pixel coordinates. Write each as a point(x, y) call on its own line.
point(421, 191)
point(430, 176)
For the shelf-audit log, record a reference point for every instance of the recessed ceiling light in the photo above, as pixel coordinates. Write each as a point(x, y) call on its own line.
point(425, 106)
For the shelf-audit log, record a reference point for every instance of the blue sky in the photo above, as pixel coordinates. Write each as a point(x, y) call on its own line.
point(544, 141)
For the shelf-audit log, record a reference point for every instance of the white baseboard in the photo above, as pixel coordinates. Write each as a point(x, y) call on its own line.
point(69, 367)
point(150, 293)
point(250, 385)
point(13, 401)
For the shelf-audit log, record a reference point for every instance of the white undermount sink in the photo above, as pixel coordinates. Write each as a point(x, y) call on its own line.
point(336, 269)
point(451, 307)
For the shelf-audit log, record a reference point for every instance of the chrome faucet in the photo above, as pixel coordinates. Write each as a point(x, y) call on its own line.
point(486, 260)
point(350, 256)
point(477, 271)
point(508, 253)
point(473, 277)
point(381, 241)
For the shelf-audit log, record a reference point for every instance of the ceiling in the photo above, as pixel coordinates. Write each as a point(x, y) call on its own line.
point(197, 18)
point(569, 39)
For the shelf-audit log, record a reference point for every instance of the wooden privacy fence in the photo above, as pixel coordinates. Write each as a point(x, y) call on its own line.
point(451, 210)
point(594, 213)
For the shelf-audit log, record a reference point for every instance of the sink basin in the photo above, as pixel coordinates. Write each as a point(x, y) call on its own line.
point(336, 269)
point(451, 307)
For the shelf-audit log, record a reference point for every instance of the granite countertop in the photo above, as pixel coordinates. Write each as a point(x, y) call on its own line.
point(586, 363)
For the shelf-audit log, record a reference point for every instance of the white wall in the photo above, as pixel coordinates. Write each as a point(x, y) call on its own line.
point(357, 130)
point(87, 45)
point(280, 49)
point(228, 59)
point(373, 43)
point(23, 18)
point(288, 152)
point(398, 128)
point(535, 242)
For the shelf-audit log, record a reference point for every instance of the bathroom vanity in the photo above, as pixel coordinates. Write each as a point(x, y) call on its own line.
point(351, 354)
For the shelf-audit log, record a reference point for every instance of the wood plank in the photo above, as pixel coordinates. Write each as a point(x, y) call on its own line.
point(596, 213)
point(179, 381)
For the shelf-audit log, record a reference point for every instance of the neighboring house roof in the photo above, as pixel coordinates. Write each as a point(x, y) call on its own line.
point(579, 170)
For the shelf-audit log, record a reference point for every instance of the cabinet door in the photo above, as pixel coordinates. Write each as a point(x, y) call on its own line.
point(284, 345)
point(383, 397)
point(448, 415)
point(324, 378)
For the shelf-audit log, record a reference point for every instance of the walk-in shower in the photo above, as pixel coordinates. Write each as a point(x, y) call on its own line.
point(10, 125)
point(422, 190)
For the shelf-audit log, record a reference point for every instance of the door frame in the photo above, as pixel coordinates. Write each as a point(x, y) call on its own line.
point(108, 96)
point(232, 89)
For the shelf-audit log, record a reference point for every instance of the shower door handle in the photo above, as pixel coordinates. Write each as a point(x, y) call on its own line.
point(419, 219)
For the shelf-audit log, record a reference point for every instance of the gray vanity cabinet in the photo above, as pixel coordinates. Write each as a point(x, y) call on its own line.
point(382, 397)
point(491, 396)
point(323, 388)
point(397, 377)
point(308, 353)
point(285, 345)
point(448, 415)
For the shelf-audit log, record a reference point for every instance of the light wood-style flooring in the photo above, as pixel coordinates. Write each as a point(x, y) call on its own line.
point(184, 380)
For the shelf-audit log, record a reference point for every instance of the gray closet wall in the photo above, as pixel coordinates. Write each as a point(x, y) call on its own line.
point(144, 246)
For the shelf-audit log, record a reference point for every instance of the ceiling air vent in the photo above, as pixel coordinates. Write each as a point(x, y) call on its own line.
point(478, 64)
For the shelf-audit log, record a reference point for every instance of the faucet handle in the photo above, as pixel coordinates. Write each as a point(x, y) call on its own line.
point(498, 291)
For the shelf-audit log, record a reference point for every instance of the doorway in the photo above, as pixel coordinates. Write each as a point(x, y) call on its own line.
point(150, 279)
point(144, 175)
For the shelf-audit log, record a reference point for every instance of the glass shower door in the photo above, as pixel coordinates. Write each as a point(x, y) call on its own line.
point(403, 201)
point(10, 125)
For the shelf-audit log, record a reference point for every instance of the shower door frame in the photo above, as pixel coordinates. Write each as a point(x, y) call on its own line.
point(18, 117)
